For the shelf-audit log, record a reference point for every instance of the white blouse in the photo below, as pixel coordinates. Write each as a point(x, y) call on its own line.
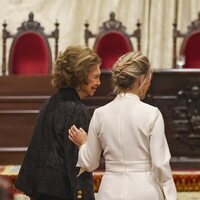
point(131, 136)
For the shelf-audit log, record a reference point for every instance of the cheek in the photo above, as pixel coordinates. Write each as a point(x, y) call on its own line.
point(89, 87)
point(92, 83)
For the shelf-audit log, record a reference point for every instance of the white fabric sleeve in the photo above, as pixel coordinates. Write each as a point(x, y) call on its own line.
point(89, 153)
point(160, 156)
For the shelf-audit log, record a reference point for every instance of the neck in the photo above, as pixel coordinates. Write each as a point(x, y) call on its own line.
point(81, 94)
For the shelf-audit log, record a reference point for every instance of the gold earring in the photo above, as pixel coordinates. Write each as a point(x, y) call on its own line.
point(78, 89)
point(141, 93)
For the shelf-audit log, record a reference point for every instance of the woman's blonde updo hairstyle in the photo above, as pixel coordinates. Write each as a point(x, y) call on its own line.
point(127, 69)
point(73, 65)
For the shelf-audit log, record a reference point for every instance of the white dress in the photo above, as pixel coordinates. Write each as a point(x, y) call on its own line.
point(131, 135)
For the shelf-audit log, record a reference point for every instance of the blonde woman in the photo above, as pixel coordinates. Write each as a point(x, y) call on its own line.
point(131, 136)
point(49, 169)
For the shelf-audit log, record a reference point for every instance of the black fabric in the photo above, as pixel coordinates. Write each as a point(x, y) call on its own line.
point(49, 166)
point(47, 197)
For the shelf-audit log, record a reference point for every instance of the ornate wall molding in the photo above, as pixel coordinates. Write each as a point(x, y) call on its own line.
point(187, 117)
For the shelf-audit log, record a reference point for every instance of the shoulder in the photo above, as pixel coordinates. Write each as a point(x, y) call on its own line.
point(151, 112)
point(66, 99)
point(105, 107)
point(100, 111)
point(147, 113)
point(147, 108)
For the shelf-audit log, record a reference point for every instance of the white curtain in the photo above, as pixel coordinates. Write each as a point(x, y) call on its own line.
point(156, 17)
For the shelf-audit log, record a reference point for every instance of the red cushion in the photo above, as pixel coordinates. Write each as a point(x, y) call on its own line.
point(111, 46)
point(191, 50)
point(30, 55)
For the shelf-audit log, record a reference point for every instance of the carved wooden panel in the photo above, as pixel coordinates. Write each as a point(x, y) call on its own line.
point(175, 92)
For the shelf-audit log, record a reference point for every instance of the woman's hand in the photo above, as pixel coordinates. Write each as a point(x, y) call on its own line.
point(77, 136)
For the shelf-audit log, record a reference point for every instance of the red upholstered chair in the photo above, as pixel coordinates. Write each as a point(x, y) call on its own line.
point(112, 41)
point(30, 53)
point(189, 56)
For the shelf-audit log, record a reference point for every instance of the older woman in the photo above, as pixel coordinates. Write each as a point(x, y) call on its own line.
point(131, 135)
point(49, 169)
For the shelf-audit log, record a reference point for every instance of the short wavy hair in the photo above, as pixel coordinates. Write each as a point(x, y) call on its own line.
point(73, 65)
point(127, 69)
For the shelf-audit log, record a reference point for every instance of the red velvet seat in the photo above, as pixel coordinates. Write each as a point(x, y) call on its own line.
point(189, 56)
point(112, 41)
point(30, 53)
point(110, 50)
point(191, 50)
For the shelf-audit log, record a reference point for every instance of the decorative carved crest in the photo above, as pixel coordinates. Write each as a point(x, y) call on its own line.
point(30, 24)
point(112, 23)
point(187, 117)
point(195, 25)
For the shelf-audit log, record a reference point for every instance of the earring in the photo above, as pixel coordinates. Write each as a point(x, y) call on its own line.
point(78, 89)
point(141, 93)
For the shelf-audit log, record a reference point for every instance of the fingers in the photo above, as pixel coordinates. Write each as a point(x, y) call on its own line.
point(75, 129)
point(73, 141)
point(74, 136)
point(77, 136)
point(82, 131)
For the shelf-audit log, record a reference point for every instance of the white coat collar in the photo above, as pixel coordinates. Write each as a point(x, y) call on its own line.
point(127, 95)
